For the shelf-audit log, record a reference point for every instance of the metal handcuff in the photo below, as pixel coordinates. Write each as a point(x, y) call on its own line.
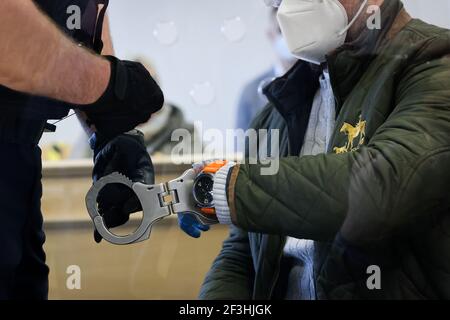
point(158, 202)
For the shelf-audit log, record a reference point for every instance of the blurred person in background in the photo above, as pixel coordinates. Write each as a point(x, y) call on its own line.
point(157, 131)
point(252, 99)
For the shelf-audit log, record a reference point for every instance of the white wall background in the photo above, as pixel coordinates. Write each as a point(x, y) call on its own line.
point(193, 53)
point(433, 11)
point(202, 53)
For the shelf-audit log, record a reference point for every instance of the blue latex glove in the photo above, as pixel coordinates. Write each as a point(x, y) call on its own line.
point(189, 224)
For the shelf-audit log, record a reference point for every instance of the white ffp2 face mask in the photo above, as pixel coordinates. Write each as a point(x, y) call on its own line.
point(314, 28)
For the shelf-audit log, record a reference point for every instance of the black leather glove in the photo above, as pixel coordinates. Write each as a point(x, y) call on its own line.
point(131, 98)
point(127, 155)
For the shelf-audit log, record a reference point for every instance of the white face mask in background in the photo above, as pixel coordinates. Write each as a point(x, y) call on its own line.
point(314, 28)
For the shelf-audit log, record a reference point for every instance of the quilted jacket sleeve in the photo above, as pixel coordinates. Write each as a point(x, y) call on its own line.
point(232, 273)
point(397, 182)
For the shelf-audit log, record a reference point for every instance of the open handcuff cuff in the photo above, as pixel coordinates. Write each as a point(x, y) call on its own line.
point(190, 193)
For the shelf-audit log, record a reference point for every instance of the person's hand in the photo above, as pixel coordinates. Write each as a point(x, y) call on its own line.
point(131, 98)
point(187, 220)
point(189, 224)
point(127, 155)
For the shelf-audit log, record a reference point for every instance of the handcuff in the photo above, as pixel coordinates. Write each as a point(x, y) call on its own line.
point(191, 193)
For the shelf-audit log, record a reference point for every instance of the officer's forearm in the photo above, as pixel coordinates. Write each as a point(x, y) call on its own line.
point(37, 58)
point(108, 49)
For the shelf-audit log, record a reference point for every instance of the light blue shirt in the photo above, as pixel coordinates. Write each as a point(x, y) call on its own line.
point(318, 135)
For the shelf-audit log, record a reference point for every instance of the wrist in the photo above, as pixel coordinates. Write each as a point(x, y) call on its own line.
point(104, 79)
point(101, 78)
point(82, 76)
point(209, 189)
point(97, 141)
point(220, 192)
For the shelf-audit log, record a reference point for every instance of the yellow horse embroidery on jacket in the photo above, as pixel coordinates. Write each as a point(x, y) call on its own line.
point(352, 133)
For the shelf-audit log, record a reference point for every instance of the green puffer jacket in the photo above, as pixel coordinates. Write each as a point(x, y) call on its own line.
point(380, 196)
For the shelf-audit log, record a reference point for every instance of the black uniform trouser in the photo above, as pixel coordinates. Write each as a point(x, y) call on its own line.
point(23, 272)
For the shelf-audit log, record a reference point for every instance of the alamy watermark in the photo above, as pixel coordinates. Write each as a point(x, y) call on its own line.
point(374, 280)
point(74, 20)
point(374, 20)
point(262, 146)
point(73, 281)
